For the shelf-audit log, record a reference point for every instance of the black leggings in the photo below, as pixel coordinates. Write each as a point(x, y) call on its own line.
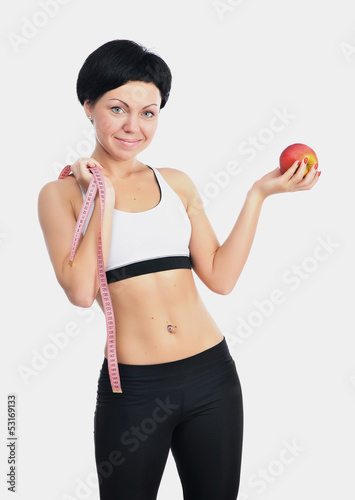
point(192, 406)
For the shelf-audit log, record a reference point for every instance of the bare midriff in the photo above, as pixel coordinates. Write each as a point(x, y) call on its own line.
point(160, 317)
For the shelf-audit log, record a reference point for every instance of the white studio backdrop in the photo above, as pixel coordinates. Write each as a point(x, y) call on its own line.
point(249, 78)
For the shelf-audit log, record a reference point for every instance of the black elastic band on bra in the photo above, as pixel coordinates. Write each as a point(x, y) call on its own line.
point(148, 266)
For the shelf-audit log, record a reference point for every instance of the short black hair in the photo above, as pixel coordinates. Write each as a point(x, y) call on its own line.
point(117, 62)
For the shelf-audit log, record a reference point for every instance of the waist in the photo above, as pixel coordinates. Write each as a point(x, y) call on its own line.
point(160, 317)
point(210, 371)
point(182, 369)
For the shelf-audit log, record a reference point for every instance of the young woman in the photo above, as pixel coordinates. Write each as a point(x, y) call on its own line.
point(180, 387)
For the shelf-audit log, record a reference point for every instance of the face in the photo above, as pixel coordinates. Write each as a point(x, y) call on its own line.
point(126, 118)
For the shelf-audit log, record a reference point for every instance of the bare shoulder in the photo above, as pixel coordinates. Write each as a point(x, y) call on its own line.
point(182, 184)
point(176, 176)
point(64, 189)
point(57, 199)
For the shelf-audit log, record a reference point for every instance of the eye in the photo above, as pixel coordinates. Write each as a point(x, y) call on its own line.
point(149, 112)
point(116, 108)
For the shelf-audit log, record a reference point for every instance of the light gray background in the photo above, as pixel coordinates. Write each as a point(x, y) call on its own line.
point(231, 71)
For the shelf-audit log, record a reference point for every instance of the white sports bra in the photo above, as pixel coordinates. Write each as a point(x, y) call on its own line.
point(150, 241)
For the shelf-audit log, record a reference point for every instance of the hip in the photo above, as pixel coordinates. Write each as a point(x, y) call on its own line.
point(210, 372)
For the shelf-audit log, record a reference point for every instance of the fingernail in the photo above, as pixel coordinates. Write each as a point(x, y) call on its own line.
point(299, 163)
point(319, 173)
point(315, 166)
point(305, 160)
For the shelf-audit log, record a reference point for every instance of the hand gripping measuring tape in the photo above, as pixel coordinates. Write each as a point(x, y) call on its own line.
point(97, 183)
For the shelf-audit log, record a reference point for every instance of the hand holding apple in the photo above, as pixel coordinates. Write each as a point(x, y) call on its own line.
point(297, 172)
point(297, 152)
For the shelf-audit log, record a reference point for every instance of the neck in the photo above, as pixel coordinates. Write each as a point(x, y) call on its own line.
point(116, 168)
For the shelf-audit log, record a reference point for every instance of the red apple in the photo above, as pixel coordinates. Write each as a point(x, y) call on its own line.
point(297, 152)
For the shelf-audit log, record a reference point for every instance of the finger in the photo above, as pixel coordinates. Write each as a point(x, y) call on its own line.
point(315, 180)
point(96, 163)
point(310, 184)
point(81, 169)
point(90, 162)
point(290, 171)
point(309, 177)
point(312, 173)
point(299, 175)
point(83, 162)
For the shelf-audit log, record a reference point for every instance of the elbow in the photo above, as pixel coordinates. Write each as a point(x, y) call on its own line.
point(222, 288)
point(219, 286)
point(225, 285)
point(222, 281)
point(80, 290)
point(224, 291)
point(79, 297)
point(82, 300)
point(228, 288)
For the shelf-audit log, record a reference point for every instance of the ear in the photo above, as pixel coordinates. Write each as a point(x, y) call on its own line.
point(88, 107)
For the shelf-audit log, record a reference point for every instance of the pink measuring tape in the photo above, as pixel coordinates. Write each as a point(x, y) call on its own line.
point(97, 183)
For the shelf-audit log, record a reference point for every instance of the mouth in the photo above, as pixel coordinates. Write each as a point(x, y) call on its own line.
point(130, 143)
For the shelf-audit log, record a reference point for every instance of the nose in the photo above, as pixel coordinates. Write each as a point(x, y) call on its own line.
point(131, 124)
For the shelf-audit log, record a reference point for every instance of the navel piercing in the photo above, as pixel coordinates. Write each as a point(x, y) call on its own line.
point(170, 328)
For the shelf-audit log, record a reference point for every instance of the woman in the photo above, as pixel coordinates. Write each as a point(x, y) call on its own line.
point(180, 387)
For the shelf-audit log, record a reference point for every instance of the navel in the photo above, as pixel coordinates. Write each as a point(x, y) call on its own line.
point(171, 328)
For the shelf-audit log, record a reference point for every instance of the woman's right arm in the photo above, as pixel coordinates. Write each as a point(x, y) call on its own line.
point(56, 215)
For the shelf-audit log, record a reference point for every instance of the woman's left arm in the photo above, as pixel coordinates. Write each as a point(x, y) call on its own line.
point(219, 266)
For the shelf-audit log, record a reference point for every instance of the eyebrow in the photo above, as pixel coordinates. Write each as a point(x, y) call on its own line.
point(114, 99)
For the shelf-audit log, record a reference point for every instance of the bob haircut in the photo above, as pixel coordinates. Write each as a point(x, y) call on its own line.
point(117, 62)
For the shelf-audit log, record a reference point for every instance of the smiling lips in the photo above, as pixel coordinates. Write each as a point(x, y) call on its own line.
point(130, 143)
